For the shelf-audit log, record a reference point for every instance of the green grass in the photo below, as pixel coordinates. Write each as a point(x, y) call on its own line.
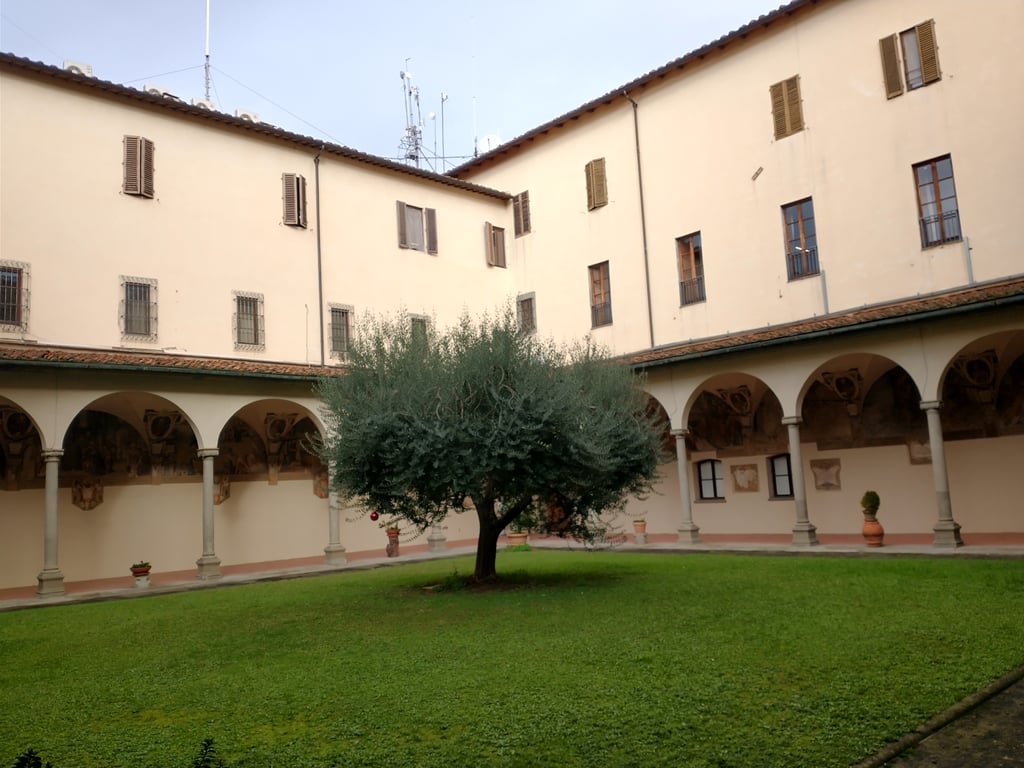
point(587, 659)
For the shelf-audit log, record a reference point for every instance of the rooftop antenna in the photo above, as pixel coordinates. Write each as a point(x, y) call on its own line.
point(411, 145)
point(444, 98)
point(206, 66)
point(476, 151)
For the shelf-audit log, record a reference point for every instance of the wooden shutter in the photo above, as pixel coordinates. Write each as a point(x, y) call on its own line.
point(489, 242)
point(148, 150)
point(138, 166)
point(521, 213)
point(294, 198)
point(597, 184)
point(889, 47)
point(430, 219)
point(928, 51)
point(787, 111)
point(403, 236)
point(794, 109)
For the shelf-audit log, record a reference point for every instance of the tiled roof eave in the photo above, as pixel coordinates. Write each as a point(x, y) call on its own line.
point(43, 356)
point(1003, 293)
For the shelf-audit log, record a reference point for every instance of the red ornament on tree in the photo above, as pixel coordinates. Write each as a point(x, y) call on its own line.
point(374, 516)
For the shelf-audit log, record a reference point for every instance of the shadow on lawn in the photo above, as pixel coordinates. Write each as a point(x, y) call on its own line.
point(513, 581)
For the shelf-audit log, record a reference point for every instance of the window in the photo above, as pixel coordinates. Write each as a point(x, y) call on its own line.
point(936, 202)
point(526, 312)
point(341, 330)
point(710, 479)
point(691, 269)
point(782, 477)
point(138, 166)
point(919, 53)
point(13, 296)
point(600, 295)
point(494, 238)
point(293, 197)
point(521, 213)
point(801, 239)
point(787, 111)
point(248, 320)
point(138, 308)
point(417, 228)
point(420, 327)
point(597, 184)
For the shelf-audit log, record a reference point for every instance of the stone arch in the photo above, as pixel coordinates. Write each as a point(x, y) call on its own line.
point(129, 437)
point(735, 413)
point(270, 439)
point(982, 388)
point(21, 448)
point(659, 413)
point(861, 399)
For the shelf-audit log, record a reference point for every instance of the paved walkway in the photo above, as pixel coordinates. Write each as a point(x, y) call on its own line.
point(985, 730)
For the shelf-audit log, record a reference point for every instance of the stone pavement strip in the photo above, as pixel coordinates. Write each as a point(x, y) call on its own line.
point(984, 730)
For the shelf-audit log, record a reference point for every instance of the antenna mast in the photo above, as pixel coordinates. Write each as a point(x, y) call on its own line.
point(206, 66)
point(411, 145)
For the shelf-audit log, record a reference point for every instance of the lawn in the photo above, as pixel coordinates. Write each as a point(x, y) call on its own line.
point(587, 659)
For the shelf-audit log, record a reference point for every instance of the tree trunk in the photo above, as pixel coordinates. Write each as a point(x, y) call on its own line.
point(487, 541)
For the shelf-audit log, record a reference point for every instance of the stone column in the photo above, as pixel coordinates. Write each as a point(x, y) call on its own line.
point(947, 530)
point(50, 579)
point(209, 563)
point(436, 541)
point(688, 532)
point(803, 532)
point(334, 553)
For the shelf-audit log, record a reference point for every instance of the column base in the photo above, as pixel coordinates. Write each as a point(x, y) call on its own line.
point(804, 535)
point(334, 554)
point(947, 534)
point(208, 568)
point(436, 541)
point(50, 583)
point(689, 534)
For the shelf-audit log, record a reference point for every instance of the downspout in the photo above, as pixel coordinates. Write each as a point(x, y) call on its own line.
point(643, 218)
point(319, 254)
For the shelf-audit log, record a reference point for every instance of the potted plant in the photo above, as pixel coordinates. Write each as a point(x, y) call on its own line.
point(519, 529)
point(140, 568)
point(872, 530)
point(640, 530)
point(392, 531)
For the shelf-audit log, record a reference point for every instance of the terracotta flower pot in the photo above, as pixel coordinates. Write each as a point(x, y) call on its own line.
point(517, 538)
point(872, 530)
point(141, 571)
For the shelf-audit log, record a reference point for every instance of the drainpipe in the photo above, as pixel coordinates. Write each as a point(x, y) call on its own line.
point(643, 219)
point(319, 254)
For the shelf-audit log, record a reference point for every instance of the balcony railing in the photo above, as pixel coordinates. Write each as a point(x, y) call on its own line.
point(941, 228)
point(691, 291)
point(803, 262)
point(601, 314)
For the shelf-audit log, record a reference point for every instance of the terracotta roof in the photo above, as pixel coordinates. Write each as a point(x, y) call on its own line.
point(62, 78)
point(499, 153)
point(22, 354)
point(920, 308)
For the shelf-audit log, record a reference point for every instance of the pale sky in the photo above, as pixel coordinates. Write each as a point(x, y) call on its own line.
point(332, 69)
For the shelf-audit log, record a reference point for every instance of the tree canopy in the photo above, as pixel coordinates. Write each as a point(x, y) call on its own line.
point(523, 428)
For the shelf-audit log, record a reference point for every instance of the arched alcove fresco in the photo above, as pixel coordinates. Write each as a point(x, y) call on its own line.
point(129, 438)
point(268, 441)
point(860, 400)
point(983, 389)
point(736, 415)
point(21, 452)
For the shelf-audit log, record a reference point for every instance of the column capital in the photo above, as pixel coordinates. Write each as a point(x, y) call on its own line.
point(792, 420)
point(53, 455)
point(931, 405)
point(208, 453)
point(679, 434)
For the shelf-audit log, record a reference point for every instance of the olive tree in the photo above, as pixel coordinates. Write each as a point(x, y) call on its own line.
point(424, 421)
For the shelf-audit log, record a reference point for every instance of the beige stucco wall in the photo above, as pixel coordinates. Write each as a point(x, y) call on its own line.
point(214, 227)
point(707, 131)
